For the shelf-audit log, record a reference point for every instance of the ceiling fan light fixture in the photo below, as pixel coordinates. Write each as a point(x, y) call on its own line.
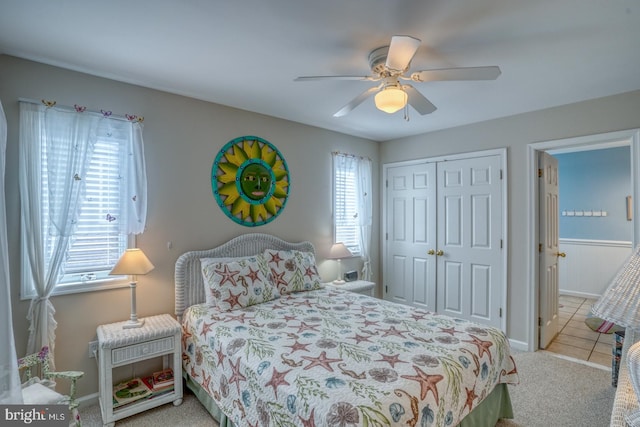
point(389, 65)
point(391, 99)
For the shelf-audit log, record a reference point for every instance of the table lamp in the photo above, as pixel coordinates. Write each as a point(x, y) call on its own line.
point(620, 304)
point(337, 252)
point(133, 262)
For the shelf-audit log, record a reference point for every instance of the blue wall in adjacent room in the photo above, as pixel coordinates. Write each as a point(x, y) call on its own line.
point(597, 180)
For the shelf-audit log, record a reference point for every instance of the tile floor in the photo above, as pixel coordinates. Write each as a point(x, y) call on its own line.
point(576, 339)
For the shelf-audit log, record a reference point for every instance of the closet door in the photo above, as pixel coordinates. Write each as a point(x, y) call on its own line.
point(410, 263)
point(469, 259)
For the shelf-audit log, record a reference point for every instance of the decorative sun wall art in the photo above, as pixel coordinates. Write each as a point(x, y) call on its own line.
point(250, 181)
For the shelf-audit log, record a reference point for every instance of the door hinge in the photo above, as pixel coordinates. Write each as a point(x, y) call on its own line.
point(386, 236)
point(539, 321)
point(540, 247)
point(500, 173)
point(386, 289)
point(500, 243)
point(386, 183)
point(540, 172)
point(500, 312)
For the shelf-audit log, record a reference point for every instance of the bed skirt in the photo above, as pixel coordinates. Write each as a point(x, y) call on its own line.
point(497, 405)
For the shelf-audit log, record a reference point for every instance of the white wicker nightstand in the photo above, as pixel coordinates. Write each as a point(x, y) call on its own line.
point(358, 286)
point(159, 336)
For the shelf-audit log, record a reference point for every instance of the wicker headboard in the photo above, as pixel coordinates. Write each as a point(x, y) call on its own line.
point(188, 276)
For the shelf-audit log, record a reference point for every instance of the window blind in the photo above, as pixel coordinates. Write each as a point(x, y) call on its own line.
point(96, 244)
point(346, 227)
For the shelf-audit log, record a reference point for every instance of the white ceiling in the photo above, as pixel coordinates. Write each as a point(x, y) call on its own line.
point(246, 53)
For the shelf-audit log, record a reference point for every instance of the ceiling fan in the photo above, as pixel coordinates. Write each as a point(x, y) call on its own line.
point(389, 66)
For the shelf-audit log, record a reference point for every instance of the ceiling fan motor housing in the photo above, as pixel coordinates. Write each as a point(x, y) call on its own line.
point(377, 61)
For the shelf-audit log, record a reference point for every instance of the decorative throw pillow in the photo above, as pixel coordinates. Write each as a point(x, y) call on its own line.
point(206, 263)
point(293, 271)
point(238, 283)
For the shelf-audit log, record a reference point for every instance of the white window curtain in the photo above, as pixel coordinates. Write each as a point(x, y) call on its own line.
point(365, 207)
point(10, 390)
point(64, 139)
point(353, 205)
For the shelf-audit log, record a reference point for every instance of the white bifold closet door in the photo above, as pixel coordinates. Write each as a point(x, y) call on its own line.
point(443, 237)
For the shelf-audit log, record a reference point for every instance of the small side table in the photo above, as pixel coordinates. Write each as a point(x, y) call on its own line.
point(159, 336)
point(359, 286)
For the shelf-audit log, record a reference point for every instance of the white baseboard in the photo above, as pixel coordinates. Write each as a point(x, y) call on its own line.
point(88, 400)
point(579, 294)
point(518, 345)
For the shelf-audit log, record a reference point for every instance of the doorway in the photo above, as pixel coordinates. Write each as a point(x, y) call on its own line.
point(631, 138)
point(595, 234)
point(575, 339)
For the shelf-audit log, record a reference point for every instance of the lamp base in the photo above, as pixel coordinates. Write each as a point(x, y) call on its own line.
point(338, 282)
point(131, 324)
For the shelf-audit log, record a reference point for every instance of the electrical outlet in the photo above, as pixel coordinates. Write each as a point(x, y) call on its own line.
point(93, 349)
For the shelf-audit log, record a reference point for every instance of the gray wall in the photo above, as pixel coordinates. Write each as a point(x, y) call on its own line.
point(515, 133)
point(182, 137)
point(595, 180)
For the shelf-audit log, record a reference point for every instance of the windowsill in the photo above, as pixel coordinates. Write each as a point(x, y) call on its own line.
point(101, 285)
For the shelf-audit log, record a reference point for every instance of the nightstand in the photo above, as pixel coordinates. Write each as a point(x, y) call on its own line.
point(359, 286)
point(160, 336)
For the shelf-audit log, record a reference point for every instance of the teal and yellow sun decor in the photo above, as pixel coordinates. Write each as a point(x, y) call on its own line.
point(250, 181)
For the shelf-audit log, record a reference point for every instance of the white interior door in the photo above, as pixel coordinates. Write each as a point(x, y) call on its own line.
point(548, 248)
point(410, 269)
point(469, 258)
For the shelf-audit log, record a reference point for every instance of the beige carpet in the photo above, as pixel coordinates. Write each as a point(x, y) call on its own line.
point(190, 414)
point(553, 392)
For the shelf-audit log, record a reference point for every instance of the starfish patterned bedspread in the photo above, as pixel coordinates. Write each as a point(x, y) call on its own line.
point(336, 358)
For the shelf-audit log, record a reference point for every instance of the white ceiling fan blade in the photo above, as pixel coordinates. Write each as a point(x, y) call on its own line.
point(356, 101)
point(462, 73)
point(417, 100)
point(401, 51)
point(313, 78)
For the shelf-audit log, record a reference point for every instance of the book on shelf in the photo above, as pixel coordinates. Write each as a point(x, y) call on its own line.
point(130, 391)
point(155, 388)
point(162, 378)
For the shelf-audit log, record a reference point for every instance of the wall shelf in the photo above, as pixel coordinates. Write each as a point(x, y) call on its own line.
point(584, 213)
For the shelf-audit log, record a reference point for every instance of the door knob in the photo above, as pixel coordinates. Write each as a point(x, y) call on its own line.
point(431, 252)
point(561, 254)
point(440, 252)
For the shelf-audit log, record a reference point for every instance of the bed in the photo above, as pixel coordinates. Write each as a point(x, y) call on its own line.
point(290, 352)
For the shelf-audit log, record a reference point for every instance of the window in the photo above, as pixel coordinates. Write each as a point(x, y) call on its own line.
point(84, 222)
point(97, 244)
point(345, 200)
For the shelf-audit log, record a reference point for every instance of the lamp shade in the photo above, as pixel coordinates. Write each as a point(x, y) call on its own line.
point(339, 250)
point(132, 262)
point(620, 302)
point(390, 99)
